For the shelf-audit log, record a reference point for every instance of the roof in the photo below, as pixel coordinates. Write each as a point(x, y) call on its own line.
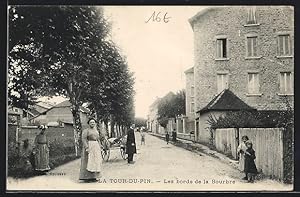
point(226, 101)
point(201, 13)
point(67, 103)
point(190, 70)
point(44, 105)
point(63, 105)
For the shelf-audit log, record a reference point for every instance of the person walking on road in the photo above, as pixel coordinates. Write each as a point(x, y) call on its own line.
point(91, 160)
point(174, 135)
point(142, 137)
point(130, 145)
point(241, 151)
point(167, 137)
point(41, 151)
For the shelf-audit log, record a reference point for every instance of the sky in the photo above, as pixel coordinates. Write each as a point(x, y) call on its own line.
point(158, 52)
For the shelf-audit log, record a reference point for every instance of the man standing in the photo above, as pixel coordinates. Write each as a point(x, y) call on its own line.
point(130, 144)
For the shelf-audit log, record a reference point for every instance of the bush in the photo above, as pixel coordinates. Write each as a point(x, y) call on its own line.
point(19, 161)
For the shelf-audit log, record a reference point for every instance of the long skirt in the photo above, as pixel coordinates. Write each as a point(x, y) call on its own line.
point(91, 162)
point(41, 158)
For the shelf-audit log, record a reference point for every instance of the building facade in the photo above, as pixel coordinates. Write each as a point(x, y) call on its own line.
point(248, 50)
point(190, 100)
point(152, 121)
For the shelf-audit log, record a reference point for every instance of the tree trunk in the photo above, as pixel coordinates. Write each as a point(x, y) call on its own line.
point(112, 129)
point(106, 128)
point(77, 128)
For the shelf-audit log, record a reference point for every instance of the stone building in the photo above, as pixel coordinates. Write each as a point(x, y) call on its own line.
point(152, 122)
point(246, 49)
point(190, 100)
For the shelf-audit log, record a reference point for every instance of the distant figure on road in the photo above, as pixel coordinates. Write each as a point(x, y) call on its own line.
point(250, 167)
point(167, 137)
point(41, 151)
point(174, 135)
point(241, 151)
point(143, 137)
point(130, 144)
point(91, 160)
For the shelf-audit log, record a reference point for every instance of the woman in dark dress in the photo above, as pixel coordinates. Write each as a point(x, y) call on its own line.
point(250, 167)
point(130, 145)
point(41, 151)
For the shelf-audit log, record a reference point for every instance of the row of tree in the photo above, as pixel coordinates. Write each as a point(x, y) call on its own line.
point(171, 106)
point(67, 50)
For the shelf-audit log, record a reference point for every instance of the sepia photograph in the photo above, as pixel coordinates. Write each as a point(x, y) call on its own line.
point(104, 98)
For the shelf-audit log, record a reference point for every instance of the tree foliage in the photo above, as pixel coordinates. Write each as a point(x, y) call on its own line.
point(170, 106)
point(140, 122)
point(66, 50)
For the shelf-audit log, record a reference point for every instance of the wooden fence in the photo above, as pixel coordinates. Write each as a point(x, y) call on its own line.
point(226, 141)
point(268, 146)
point(267, 143)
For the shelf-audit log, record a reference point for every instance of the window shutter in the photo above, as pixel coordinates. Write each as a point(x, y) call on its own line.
point(249, 47)
point(218, 48)
point(280, 45)
point(226, 80)
point(254, 46)
point(288, 83)
point(250, 83)
point(219, 82)
point(286, 45)
point(256, 83)
point(282, 83)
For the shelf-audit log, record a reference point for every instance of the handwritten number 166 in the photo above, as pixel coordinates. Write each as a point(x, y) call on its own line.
point(156, 17)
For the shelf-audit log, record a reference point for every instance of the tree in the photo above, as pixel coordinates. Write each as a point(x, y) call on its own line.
point(55, 53)
point(140, 122)
point(170, 106)
point(111, 99)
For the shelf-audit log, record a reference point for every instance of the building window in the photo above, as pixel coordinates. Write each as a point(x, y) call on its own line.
point(251, 46)
point(284, 45)
point(192, 91)
point(16, 110)
point(251, 16)
point(221, 48)
point(286, 83)
point(253, 83)
point(222, 82)
point(192, 110)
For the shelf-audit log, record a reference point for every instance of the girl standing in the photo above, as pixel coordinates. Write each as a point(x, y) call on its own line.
point(91, 154)
point(250, 167)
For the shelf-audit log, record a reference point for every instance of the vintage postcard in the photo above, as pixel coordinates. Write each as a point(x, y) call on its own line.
point(150, 98)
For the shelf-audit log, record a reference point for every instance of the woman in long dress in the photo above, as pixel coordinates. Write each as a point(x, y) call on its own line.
point(41, 151)
point(91, 160)
point(241, 150)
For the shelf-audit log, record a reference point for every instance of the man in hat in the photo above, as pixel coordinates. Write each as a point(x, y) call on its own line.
point(130, 144)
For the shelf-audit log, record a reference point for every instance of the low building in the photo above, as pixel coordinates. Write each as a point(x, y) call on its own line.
point(61, 113)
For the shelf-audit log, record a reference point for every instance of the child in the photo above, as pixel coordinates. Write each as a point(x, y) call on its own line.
point(250, 167)
point(167, 137)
